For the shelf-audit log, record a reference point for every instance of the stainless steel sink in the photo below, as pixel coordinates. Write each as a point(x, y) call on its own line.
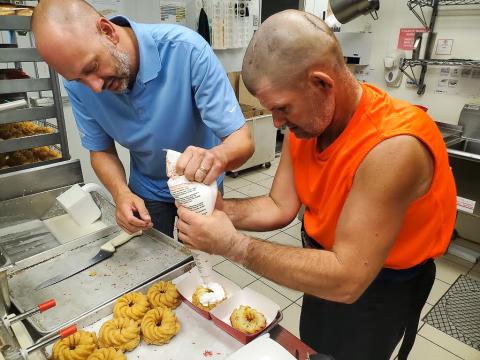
point(467, 145)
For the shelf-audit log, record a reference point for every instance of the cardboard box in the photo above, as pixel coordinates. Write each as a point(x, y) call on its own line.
point(244, 96)
point(234, 78)
point(187, 287)
point(221, 313)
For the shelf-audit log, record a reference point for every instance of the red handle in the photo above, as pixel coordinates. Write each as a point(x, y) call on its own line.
point(72, 329)
point(47, 305)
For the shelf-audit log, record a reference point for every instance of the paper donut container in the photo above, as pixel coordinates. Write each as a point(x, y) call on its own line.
point(221, 313)
point(187, 287)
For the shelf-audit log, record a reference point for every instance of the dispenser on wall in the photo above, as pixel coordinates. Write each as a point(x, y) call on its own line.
point(393, 75)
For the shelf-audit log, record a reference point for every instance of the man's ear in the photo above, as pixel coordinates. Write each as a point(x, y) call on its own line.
point(106, 28)
point(320, 80)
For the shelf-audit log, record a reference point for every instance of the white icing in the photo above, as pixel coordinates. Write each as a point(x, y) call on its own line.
point(217, 294)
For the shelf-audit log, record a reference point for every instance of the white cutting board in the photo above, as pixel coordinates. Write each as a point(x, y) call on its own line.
point(65, 229)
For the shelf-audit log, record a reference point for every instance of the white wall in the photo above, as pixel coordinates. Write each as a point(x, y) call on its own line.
point(462, 26)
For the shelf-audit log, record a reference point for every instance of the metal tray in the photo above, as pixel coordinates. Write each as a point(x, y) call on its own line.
point(197, 338)
point(139, 261)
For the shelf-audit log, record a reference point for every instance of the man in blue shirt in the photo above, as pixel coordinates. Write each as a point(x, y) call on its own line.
point(148, 87)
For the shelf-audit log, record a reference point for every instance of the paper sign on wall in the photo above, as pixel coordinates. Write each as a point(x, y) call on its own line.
point(465, 205)
point(444, 47)
point(406, 37)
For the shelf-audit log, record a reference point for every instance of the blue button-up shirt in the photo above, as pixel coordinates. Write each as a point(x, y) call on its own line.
point(181, 97)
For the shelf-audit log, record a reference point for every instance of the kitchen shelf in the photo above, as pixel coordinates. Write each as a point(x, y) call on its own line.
point(416, 6)
point(407, 65)
point(440, 62)
point(40, 115)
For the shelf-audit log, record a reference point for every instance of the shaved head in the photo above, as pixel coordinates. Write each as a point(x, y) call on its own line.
point(286, 46)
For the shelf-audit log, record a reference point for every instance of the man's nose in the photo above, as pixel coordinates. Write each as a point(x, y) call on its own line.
point(278, 121)
point(94, 82)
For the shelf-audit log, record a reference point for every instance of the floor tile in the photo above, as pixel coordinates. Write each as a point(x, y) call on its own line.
point(234, 194)
point(294, 231)
point(253, 190)
point(234, 273)
point(291, 319)
point(266, 290)
point(254, 274)
point(448, 271)
point(267, 183)
point(261, 234)
point(449, 343)
point(255, 176)
point(439, 288)
point(457, 260)
point(214, 259)
point(424, 349)
point(271, 171)
point(293, 295)
point(235, 183)
point(285, 239)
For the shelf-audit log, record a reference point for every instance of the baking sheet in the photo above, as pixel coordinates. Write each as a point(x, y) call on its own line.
point(198, 338)
point(141, 259)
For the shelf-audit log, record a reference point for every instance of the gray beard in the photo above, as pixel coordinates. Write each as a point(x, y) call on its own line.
point(122, 64)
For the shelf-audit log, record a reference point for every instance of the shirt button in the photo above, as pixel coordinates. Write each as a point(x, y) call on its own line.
point(140, 110)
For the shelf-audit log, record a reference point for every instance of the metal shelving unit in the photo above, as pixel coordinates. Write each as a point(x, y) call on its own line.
point(38, 114)
point(416, 6)
point(407, 65)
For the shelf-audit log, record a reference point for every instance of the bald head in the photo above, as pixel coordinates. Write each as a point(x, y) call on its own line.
point(67, 16)
point(82, 45)
point(286, 46)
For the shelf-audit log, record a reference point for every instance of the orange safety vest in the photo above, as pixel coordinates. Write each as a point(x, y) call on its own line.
point(323, 179)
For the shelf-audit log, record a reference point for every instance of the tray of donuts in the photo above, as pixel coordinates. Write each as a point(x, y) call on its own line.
point(242, 313)
point(137, 317)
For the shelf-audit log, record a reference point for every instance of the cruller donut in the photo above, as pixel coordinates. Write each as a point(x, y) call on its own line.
point(78, 346)
point(121, 334)
point(107, 354)
point(164, 293)
point(247, 320)
point(133, 305)
point(159, 326)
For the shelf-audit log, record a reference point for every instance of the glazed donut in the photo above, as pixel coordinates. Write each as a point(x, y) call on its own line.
point(121, 334)
point(164, 293)
point(159, 326)
point(133, 305)
point(247, 320)
point(78, 346)
point(197, 295)
point(107, 354)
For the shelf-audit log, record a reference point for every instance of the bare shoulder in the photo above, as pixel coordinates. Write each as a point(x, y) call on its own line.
point(401, 166)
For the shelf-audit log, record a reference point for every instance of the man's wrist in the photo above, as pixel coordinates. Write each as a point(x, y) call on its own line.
point(239, 249)
point(120, 189)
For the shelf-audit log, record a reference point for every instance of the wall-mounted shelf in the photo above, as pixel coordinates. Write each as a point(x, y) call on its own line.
point(416, 6)
point(407, 65)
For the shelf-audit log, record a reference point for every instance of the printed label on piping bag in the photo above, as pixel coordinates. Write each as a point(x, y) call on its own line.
point(195, 196)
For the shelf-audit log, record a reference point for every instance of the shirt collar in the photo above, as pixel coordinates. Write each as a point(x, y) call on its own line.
point(149, 58)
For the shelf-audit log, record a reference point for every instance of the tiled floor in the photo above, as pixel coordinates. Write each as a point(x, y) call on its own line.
point(430, 343)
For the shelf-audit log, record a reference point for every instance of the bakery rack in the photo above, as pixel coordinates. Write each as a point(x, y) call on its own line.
point(21, 99)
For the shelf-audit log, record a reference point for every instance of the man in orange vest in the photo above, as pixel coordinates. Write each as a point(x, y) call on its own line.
point(373, 175)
